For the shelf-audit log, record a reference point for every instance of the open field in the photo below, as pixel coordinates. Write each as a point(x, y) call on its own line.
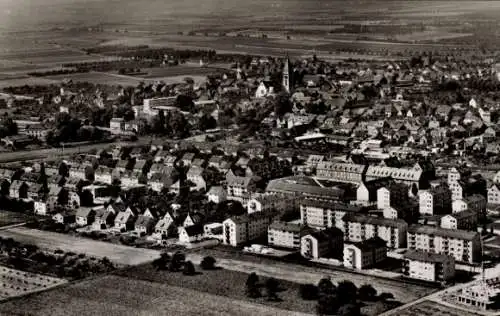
point(228, 283)
point(175, 71)
point(114, 295)
point(34, 81)
point(402, 292)
point(428, 308)
point(123, 80)
point(15, 282)
point(119, 254)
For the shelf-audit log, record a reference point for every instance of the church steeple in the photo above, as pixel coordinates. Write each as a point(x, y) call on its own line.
point(287, 80)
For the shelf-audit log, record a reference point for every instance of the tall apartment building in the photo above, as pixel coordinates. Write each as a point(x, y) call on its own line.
point(465, 220)
point(364, 254)
point(341, 172)
point(286, 235)
point(435, 201)
point(366, 193)
point(464, 246)
point(270, 201)
point(244, 228)
point(475, 203)
point(324, 214)
point(359, 227)
point(427, 266)
point(326, 243)
point(392, 194)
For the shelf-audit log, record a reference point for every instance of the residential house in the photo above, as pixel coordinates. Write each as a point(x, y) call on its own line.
point(64, 217)
point(159, 181)
point(85, 216)
point(240, 188)
point(216, 194)
point(18, 190)
point(326, 243)
point(428, 266)
point(104, 219)
point(195, 176)
point(103, 175)
point(463, 245)
point(494, 194)
point(190, 234)
point(476, 203)
point(165, 226)
point(364, 254)
point(125, 220)
point(144, 225)
point(187, 159)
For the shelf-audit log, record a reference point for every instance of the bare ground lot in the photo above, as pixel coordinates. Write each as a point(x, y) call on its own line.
point(119, 254)
point(113, 295)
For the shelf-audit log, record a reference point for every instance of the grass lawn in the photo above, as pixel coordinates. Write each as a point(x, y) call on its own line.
point(10, 218)
point(231, 284)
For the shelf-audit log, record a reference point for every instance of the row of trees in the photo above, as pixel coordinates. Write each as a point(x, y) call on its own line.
point(177, 262)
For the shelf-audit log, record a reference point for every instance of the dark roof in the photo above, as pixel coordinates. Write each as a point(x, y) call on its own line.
point(332, 205)
point(424, 256)
point(194, 230)
point(372, 243)
point(145, 221)
point(289, 227)
point(85, 212)
point(367, 219)
point(253, 216)
point(297, 186)
point(443, 232)
point(327, 234)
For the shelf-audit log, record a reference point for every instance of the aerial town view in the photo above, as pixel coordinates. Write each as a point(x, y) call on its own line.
point(263, 157)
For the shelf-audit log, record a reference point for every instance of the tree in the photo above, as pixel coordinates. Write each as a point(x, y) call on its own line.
point(272, 289)
point(252, 286)
point(185, 103)
point(177, 261)
point(308, 291)
point(386, 296)
point(327, 305)
point(162, 262)
point(206, 122)
point(347, 292)
point(189, 268)
point(325, 287)
point(367, 292)
point(282, 105)
point(63, 169)
point(208, 263)
point(349, 310)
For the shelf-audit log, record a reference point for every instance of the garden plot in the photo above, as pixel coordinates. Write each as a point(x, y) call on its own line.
point(15, 282)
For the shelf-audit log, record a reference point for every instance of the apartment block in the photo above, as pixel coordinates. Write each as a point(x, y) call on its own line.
point(463, 245)
point(359, 227)
point(427, 266)
point(244, 228)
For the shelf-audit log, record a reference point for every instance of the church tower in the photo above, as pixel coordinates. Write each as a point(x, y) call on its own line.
point(287, 76)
